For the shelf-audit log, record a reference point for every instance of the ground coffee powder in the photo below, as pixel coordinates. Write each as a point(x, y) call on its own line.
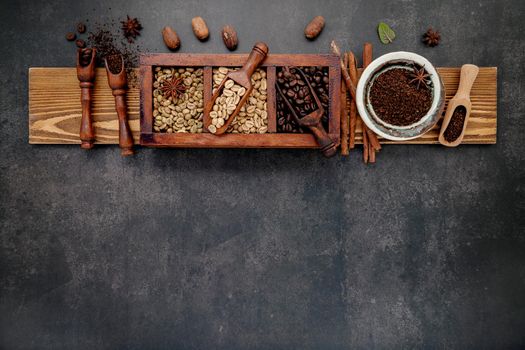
point(455, 126)
point(397, 100)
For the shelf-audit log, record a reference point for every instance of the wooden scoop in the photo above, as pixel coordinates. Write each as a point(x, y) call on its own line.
point(241, 77)
point(312, 120)
point(469, 72)
point(86, 77)
point(118, 83)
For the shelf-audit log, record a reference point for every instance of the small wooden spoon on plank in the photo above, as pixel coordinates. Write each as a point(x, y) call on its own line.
point(118, 82)
point(241, 77)
point(469, 72)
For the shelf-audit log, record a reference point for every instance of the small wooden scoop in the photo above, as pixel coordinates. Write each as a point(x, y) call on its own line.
point(86, 77)
point(312, 120)
point(241, 77)
point(469, 72)
point(118, 82)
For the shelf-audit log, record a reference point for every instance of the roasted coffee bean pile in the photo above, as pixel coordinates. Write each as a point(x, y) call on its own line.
point(296, 90)
point(455, 126)
point(396, 98)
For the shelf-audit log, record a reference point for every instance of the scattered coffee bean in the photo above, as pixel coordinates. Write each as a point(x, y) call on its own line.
point(81, 28)
point(80, 43)
point(183, 114)
point(71, 36)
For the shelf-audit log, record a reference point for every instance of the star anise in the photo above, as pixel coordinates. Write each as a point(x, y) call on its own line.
point(173, 87)
point(420, 76)
point(131, 28)
point(431, 37)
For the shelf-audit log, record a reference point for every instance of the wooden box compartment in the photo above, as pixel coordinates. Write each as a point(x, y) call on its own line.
point(271, 139)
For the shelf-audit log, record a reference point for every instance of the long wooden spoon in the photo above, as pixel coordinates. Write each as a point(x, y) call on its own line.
point(118, 82)
point(241, 77)
point(469, 72)
point(86, 77)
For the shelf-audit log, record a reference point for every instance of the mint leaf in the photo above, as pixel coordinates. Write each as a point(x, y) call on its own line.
point(386, 34)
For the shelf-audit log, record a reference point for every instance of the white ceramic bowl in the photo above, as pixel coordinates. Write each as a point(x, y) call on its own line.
point(395, 132)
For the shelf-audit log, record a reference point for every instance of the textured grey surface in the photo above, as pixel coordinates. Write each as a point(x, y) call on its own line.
point(266, 249)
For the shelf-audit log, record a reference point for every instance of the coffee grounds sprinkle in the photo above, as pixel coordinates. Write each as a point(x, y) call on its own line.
point(108, 39)
point(398, 102)
point(455, 126)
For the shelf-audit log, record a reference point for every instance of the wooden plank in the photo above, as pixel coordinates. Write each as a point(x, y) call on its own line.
point(55, 112)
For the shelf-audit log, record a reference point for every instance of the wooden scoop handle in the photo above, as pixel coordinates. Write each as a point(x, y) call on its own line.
point(87, 134)
point(469, 72)
point(125, 138)
point(257, 55)
point(327, 145)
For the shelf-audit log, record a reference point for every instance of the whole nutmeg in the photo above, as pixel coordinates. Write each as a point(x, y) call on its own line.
point(314, 28)
point(229, 36)
point(171, 39)
point(200, 29)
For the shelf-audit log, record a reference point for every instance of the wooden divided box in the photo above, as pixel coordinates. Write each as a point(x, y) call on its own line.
point(273, 138)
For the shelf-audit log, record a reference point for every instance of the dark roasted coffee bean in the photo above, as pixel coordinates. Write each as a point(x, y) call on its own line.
point(281, 121)
point(71, 36)
point(299, 101)
point(80, 43)
point(290, 93)
point(81, 28)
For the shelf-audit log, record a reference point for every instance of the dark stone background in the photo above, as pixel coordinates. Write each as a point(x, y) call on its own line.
point(266, 249)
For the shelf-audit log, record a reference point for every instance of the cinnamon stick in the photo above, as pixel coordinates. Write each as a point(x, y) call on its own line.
point(352, 70)
point(344, 116)
point(346, 78)
point(366, 149)
point(367, 59)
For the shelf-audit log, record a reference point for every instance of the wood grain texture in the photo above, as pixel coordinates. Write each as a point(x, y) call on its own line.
point(55, 110)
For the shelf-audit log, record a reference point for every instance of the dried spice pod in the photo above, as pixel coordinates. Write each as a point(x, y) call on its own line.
point(314, 28)
point(131, 28)
point(71, 36)
point(229, 36)
point(200, 29)
point(431, 37)
point(171, 39)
